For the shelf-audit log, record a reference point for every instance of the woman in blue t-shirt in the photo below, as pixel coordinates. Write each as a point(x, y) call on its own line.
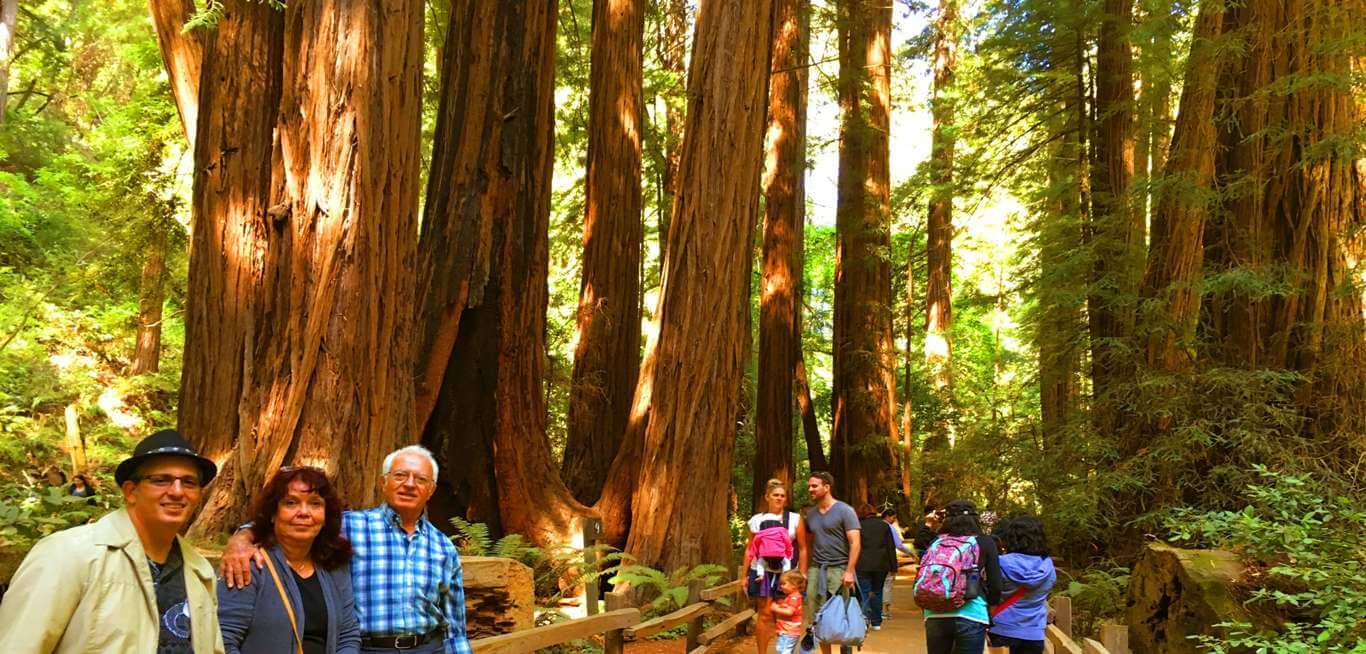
point(1027, 575)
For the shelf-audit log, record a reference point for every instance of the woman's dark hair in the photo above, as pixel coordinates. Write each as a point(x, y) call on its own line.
point(330, 550)
point(888, 513)
point(867, 510)
point(83, 479)
point(960, 519)
point(1023, 535)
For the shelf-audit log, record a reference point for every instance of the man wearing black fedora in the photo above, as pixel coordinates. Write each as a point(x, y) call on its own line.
point(127, 582)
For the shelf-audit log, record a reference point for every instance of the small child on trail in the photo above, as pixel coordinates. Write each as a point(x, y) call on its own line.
point(787, 612)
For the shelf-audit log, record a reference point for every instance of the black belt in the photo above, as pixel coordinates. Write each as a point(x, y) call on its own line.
point(406, 641)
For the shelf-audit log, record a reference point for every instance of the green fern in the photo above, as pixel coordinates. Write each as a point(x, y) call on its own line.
point(208, 17)
point(471, 538)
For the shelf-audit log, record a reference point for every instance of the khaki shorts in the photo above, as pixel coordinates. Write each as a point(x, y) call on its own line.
point(834, 577)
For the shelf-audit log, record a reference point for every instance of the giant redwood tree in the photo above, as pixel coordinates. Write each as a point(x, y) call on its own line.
point(939, 246)
point(494, 185)
point(784, 217)
point(861, 454)
point(693, 366)
point(182, 52)
point(607, 334)
point(299, 323)
point(1117, 229)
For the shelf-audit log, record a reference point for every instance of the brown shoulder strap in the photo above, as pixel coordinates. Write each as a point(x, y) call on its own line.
point(289, 606)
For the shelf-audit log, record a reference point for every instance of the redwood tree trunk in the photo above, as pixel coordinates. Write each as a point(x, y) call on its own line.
point(1117, 230)
point(784, 219)
point(673, 57)
point(183, 55)
point(607, 334)
point(939, 249)
point(494, 185)
point(692, 374)
point(151, 297)
point(326, 353)
point(1291, 207)
point(234, 160)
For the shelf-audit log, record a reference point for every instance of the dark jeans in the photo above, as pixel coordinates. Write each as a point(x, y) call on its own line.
point(870, 587)
point(1017, 645)
point(954, 636)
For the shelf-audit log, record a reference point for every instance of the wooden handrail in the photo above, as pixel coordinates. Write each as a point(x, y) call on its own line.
point(531, 640)
point(723, 627)
point(717, 592)
point(666, 622)
point(1062, 643)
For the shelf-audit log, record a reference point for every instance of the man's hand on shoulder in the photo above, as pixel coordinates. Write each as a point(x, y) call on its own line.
point(238, 557)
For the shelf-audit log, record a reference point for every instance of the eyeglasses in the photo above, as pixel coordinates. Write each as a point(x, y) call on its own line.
point(188, 482)
point(403, 477)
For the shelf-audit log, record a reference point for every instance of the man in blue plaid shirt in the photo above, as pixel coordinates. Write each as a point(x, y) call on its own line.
point(406, 576)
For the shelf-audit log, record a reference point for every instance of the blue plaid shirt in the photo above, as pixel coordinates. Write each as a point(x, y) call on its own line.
point(405, 584)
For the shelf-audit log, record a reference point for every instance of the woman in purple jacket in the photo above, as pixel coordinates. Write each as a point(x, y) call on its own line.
point(1027, 575)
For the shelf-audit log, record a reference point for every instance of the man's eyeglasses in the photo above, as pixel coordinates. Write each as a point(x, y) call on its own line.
point(187, 482)
point(403, 477)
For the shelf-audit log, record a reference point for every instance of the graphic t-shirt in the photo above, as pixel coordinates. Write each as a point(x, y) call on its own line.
point(791, 626)
point(169, 581)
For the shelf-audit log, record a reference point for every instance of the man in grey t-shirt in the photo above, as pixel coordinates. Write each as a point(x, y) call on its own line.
point(833, 545)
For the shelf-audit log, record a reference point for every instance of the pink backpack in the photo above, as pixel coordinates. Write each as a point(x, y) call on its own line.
point(942, 584)
point(772, 545)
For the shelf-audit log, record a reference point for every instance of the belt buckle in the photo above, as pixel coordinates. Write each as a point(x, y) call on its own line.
point(407, 638)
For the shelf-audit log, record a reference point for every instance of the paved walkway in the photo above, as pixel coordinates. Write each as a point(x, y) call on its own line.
point(903, 634)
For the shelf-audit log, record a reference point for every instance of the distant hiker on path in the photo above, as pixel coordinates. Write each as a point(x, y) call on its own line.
point(410, 595)
point(126, 582)
point(833, 530)
point(876, 561)
point(775, 536)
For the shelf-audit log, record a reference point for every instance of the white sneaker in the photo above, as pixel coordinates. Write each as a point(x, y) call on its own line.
point(877, 627)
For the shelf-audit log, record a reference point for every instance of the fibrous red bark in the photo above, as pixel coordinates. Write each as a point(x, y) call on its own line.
point(692, 370)
point(784, 219)
point(607, 330)
point(183, 55)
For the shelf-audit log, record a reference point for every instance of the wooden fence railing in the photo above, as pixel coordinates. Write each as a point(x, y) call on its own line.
point(621, 623)
point(1114, 638)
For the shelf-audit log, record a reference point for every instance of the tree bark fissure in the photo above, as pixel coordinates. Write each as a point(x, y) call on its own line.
point(183, 55)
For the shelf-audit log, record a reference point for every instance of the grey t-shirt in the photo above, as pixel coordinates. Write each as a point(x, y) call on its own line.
point(829, 543)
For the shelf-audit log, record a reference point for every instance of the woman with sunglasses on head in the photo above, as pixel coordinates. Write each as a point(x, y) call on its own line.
point(300, 602)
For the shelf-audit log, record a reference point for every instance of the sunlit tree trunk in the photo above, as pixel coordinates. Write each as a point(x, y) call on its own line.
point(692, 372)
point(939, 251)
point(326, 353)
point(784, 219)
point(494, 184)
point(607, 335)
point(182, 53)
point(230, 232)
point(151, 297)
point(1117, 229)
point(9, 17)
point(672, 51)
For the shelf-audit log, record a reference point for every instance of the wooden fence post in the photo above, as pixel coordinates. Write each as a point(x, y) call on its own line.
point(738, 599)
point(614, 642)
point(592, 531)
point(694, 625)
point(1062, 607)
point(1115, 638)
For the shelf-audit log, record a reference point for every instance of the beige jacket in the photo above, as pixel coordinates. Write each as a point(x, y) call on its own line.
point(88, 589)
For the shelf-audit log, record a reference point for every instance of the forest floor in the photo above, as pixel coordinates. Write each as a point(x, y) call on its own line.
point(904, 633)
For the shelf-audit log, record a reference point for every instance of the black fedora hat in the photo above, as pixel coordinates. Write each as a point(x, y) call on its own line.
point(167, 442)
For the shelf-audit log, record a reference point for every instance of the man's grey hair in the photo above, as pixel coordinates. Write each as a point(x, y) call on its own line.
point(412, 449)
